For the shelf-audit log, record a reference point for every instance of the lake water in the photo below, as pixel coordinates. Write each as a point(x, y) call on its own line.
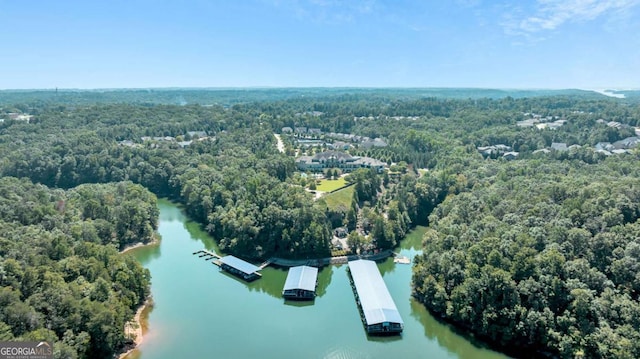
point(202, 312)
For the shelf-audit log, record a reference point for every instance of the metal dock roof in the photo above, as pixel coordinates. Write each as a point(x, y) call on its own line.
point(301, 277)
point(375, 300)
point(239, 264)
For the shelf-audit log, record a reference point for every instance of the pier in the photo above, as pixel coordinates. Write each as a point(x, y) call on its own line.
point(266, 263)
point(397, 258)
point(378, 310)
point(233, 265)
point(238, 267)
point(205, 253)
point(301, 283)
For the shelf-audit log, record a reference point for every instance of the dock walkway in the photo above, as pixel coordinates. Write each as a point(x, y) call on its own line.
point(314, 262)
point(282, 262)
point(205, 253)
point(266, 263)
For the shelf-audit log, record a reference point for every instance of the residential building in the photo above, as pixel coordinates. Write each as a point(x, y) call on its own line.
point(336, 159)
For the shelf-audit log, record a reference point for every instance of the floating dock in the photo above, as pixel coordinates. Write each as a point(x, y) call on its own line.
point(238, 267)
point(378, 310)
point(233, 265)
point(208, 254)
point(401, 260)
point(301, 283)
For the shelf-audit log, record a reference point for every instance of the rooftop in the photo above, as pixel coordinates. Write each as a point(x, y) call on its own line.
point(375, 300)
point(559, 146)
point(301, 277)
point(333, 155)
point(239, 264)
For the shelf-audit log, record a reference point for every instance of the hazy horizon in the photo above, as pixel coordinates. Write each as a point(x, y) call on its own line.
point(605, 88)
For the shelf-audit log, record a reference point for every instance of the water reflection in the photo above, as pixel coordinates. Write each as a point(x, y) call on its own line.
point(147, 253)
point(324, 279)
point(387, 266)
point(170, 211)
point(273, 279)
point(271, 283)
point(383, 339)
point(446, 335)
point(196, 302)
point(299, 303)
point(198, 234)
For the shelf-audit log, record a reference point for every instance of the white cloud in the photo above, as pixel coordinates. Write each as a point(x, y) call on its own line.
point(551, 14)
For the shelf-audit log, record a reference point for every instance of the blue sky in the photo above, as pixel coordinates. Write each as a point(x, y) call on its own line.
point(327, 43)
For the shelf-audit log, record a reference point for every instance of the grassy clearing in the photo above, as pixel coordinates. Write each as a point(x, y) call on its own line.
point(331, 185)
point(343, 197)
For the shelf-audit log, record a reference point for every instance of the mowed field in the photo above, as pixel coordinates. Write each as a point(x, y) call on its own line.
point(331, 185)
point(341, 197)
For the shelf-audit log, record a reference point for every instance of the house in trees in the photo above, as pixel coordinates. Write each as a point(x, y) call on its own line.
point(20, 117)
point(198, 134)
point(510, 155)
point(376, 142)
point(339, 145)
point(494, 150)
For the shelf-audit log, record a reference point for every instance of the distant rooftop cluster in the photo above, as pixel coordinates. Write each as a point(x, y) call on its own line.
point(612, 124)
point(499, 150)
point(606, 148)
point(15, 116)
point(336, 159)
point(193, 135)
point(310, 113)
point(618, 147)
point(541, 122)
point(308, 137)
point(397, 118)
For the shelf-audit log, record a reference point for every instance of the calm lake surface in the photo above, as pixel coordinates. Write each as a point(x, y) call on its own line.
point(202, 312)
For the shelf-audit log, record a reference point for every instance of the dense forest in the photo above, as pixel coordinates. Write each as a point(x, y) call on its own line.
point(537, 250)
point(540, 255)
point(61, 276)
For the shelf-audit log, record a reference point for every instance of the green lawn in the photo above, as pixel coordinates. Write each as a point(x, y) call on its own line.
point(331, 185)
point(343, 197)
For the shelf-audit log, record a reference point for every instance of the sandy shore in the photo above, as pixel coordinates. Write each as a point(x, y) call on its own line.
point(138, 245)
point(136, 328)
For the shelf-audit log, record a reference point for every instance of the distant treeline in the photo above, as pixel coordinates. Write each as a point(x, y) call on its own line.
point(534, 253)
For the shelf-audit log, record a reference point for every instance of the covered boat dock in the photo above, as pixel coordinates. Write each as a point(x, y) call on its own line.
point(240, 268)
point(301, 283)
point(378, 310)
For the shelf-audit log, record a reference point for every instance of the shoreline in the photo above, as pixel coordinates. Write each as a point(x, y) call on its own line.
point(138, 245)
point(282, 262)
point(136, 328)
